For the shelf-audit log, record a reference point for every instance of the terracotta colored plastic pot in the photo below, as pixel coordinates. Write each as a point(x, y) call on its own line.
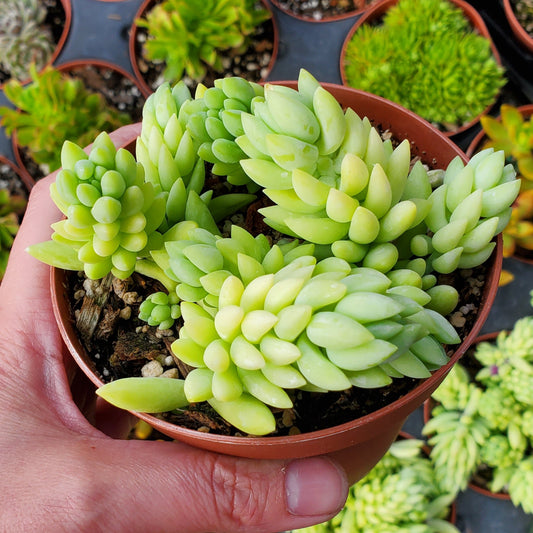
point(430, 404)
point(377, 11)
point(67, 7)
point(24, 176)
point(70, 68)
point(360, 443)
point(328, 18)
point(134, 47)
point(520, 33)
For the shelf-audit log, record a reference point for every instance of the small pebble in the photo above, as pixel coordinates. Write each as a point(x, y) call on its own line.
point(152, 369)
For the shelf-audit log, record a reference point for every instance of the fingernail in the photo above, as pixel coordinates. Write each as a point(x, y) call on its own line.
point(315, 486)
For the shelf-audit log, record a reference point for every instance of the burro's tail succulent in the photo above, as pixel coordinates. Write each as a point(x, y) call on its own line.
point(341, 293)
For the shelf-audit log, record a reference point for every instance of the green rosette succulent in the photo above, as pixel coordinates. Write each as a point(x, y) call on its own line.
point(24, 40)
point(190, 36)
point(399, 495)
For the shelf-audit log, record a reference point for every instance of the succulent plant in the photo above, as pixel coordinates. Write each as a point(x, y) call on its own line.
point(190, 36)
point(11, 208)
point(24, 40)
point(302, 308)
point(492, 425)
point(53, 108)
point(450, 76)
point(399, 495)
point(512, 133)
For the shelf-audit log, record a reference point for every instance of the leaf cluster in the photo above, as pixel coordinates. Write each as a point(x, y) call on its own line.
point(425, 57)
point(489, 414)
point(190, 36)
point(24, 39)
point(52, 108)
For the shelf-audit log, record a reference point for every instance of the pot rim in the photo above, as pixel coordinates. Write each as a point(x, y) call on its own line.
point(134, 28)
point(391, 415)
point(518, 30)
point(329, 18)
point(377, 10)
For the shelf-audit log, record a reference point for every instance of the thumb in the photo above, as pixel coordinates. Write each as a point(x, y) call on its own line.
point(170, 486)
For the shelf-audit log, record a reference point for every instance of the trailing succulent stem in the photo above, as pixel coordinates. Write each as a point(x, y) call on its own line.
point(487, 420)
point(343, 292)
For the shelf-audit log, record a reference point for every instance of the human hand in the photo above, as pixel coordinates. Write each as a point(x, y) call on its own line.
point(62, 473)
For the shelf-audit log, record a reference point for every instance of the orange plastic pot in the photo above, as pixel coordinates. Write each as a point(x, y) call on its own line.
point(360, 443)
point(376, 12)
point(522, 36)
point(135, 52)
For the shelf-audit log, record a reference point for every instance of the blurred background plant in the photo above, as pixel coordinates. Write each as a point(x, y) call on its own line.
point(53, 108)
point(425, 56)
point(191, 36)
point(399, 495)
point(481, 429)
point(24, 38)
point(512, 132)
point(12, 208)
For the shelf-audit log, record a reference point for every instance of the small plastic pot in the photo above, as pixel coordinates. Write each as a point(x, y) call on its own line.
point(327, 18)
point(360, 443)
point(376, 12)
point(522, 36)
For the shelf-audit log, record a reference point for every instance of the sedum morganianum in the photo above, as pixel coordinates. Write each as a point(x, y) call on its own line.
point(346, 295)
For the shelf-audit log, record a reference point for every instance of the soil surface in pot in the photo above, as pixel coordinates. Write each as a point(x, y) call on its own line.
point(524, 14)
point(120, 345)
point(55, 23)
point(252, 64)
point(11, 181)
point(323, 9)
point(119, 92)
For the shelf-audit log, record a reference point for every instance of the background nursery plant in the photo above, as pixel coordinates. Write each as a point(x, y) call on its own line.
point(337, 290)
point(192, 38)
point(53, 108)
point(24, 37)
point(481, 429)
point(425, 56)
point(399, 495)
point(512, 133)
point(12, 208)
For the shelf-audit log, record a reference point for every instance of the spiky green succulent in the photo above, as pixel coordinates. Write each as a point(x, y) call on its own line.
point(24, 39)
point(426, 57)
point(400, 495)
point(190, 36)
point(341, 293)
